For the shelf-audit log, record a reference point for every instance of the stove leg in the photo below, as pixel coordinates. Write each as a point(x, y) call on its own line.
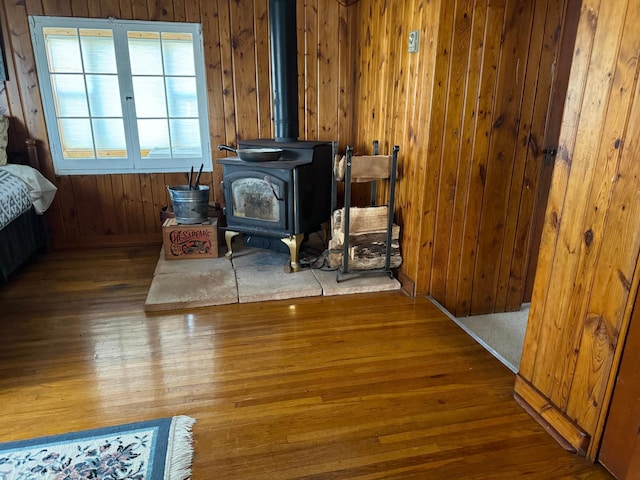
point(294, 242)
point(228, 237)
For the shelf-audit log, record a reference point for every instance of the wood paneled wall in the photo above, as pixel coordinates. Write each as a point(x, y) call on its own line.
point(113, 209)
point(587, 271)
point(392, 104)
point(469, 113)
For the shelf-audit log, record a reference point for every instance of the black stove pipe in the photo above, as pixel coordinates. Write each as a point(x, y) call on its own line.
point(284, 69)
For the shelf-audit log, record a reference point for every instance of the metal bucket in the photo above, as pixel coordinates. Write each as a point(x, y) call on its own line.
point(190, 206)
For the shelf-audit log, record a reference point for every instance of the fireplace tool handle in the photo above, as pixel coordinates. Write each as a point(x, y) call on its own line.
point(268, 180)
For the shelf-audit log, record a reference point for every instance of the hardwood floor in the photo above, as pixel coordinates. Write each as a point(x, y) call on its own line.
point(376, 386)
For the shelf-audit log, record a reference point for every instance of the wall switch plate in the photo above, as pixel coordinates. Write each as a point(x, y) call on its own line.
point(414, 41)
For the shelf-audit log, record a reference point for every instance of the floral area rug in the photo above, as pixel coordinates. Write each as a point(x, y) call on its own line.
point(152, 450)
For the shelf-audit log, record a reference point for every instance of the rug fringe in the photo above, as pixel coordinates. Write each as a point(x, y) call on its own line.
point(180, 449)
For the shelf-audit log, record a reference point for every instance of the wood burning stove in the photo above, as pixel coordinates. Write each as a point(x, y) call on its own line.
point(286, 199)
point(290, 197)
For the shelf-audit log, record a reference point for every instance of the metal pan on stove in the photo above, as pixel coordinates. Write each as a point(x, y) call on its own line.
point(254, 154)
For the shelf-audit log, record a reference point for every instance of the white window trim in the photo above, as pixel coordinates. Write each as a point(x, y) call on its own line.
point(133, 163)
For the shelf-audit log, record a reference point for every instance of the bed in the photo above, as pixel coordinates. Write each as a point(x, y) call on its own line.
point(25, 194)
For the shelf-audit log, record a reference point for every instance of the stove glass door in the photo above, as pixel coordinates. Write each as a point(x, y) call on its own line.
point(256, 198)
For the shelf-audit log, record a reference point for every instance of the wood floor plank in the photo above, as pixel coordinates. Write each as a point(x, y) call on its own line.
point(371, 386)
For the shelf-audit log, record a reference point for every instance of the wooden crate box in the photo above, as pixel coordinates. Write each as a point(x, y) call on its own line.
point(188, 242)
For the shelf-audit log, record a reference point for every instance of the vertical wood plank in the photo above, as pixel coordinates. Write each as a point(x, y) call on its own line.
point(11, 92)
point(179, 10)
point(534, 197)
point(467, 135)
point(120, 204)
point(161, 10)
point(420, 169)
point(104, 193)
point(216, 93)
point(328, 71)
point(244, 63)
point(160, 197)
point(110, 8)
point(445, 139)
point(90, 211)
point(346, 32)
point(311, 69)
point(79, 8)
point(580, 182)
point(414, 161)
point(126, 10)
point(193, 10)
point(511, 76)
point(537, 88)
point(263, 78)
point(483, 131)
point(616, 212)
point(434, 154)
point(139, 9)
point(60, 8)
point(94, 9)
point(226, 63)
point(548, 242)
point(607, 160)
point(149, 212)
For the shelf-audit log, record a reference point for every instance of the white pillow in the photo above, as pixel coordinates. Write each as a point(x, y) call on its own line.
point(4, 138)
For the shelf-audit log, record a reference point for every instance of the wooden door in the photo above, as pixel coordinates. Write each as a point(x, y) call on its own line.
point(620, 449)
point(560, 83)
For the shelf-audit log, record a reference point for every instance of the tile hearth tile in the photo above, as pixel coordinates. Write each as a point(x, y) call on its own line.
point(263, 283)
point(254, 275)
point(180, 284)
point(172, 291)
point(364, 284)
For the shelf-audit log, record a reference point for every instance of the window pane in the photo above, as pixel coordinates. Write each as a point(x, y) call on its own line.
point(98, 53)
point(177, 49)
point(70, 97)
point(76, 138)
point(185, 138)
point(149, 96)
point(104, 96)
point(109, 136)
point(148, 114)
point(145, 53)
point(154, 138)
point(182, 97)
point(63, 50)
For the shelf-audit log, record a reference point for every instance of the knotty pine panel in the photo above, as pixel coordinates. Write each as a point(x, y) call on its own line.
point(534, 130)
point(478, 94)
point(379, 76)
point(591, 238)
point(516, 38)
point(236, 46)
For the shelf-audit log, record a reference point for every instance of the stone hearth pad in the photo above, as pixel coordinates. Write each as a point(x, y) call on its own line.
point(263, 283)
point(172, 291)
point(355, 284)
point(254, 275)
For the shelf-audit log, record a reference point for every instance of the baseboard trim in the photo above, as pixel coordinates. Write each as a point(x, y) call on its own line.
point(571, 437)
point(407, 285)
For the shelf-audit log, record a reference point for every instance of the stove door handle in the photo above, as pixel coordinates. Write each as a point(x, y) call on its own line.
point(268, 180)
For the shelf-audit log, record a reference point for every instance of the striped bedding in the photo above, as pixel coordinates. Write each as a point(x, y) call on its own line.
point(14, 197)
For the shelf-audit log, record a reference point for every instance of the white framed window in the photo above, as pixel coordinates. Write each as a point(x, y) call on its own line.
point(122, 96)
